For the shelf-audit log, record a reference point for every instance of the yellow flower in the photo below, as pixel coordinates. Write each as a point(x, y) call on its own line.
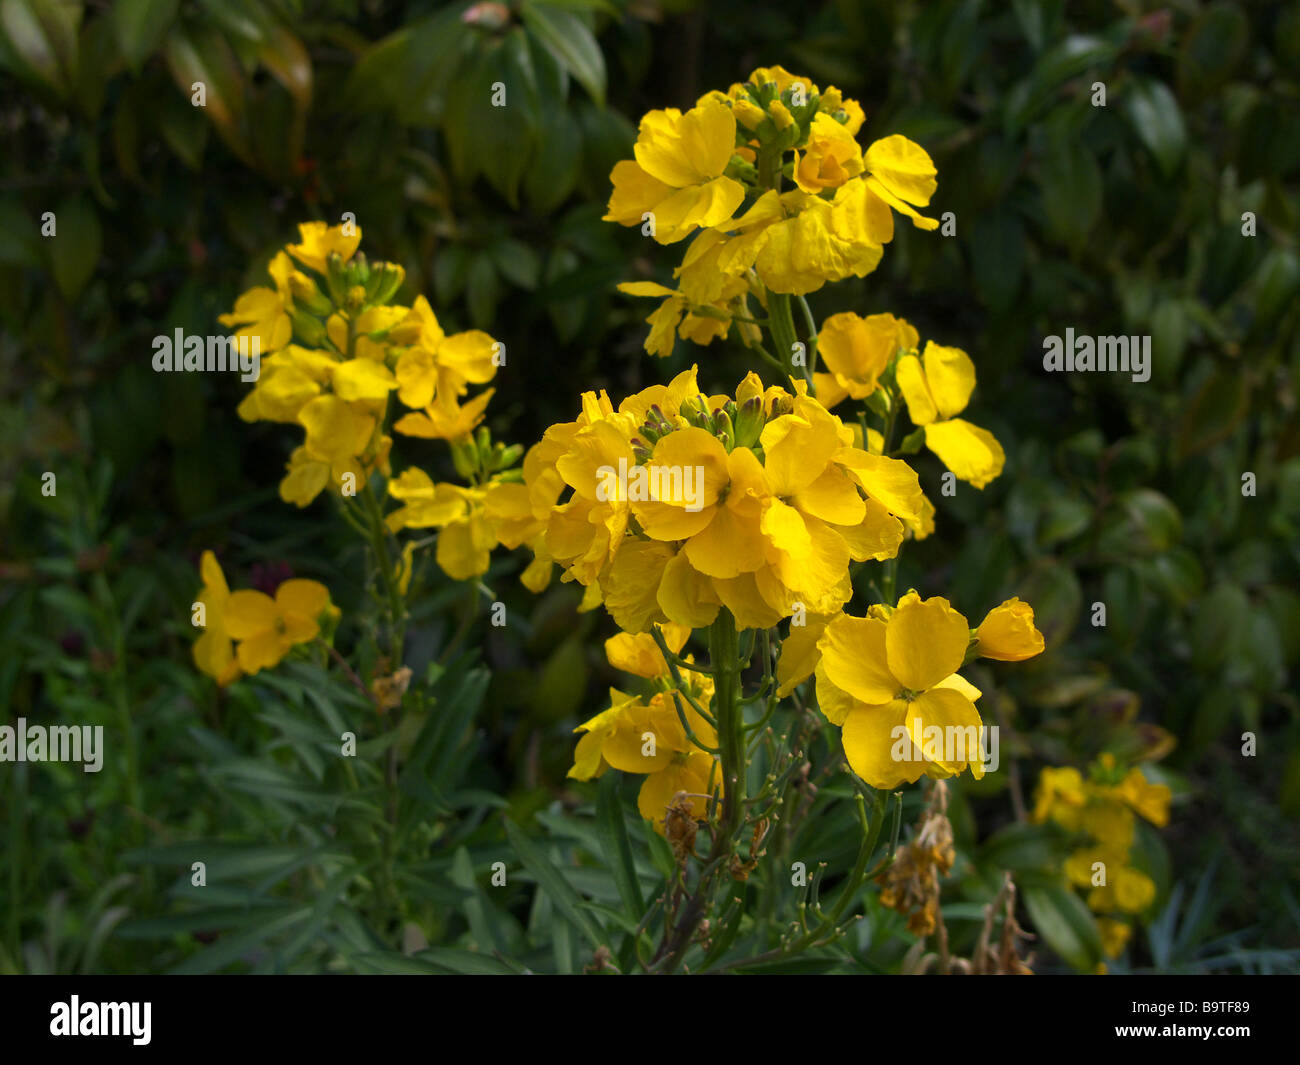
point(892, 687)
point(213, 650)
point(263, 312)
point(267, 629)
point(1060, 796)
point(678, 173)
point(436, 366)
point(1114, 936)
point(797, 242)
point(319, 239)
point(1008, 634)
point(427, 505)
point(856, 351)
point(708, 498)
point(289, 380)
point(636, 735)
point(1148, 800)
point(831, 156)
point(1126, 889)
point(468, 531)
point(694, 775)
point(674, 318)
point(639, 654)
point(439, 422)
point(937, 386)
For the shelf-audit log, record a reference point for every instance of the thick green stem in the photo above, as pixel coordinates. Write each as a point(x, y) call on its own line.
point(784, 337)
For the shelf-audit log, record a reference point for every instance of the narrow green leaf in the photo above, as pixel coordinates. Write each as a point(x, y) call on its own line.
point(566, 900)
point(616, 845)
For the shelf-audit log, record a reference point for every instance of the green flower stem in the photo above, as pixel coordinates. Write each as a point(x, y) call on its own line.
point(387, 575)
point(811, 323)
point(728, 711)
point(724, 660)
point(783, 332)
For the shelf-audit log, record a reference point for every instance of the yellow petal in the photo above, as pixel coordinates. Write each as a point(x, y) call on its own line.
point(904, 168)
point(631, 586)
point(833, 498)
point(800, 653)
point(921, 407)
point(363, 379)
point(854, 659)
point(261, 651)
point(302, 598)
point(944, 728)
point(249, 613)
point(875, 744)
point(971, 453)
point(925, 641)
point(950, 374)
point(685, 595)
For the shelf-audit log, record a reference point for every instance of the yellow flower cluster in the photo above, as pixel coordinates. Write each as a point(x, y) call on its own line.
point(335, 352)
point(248, 631)
point(1102, 811)
point(678, 503)
point(890, 682)
point(717, 171)
point(331, 358)
point(648, 733)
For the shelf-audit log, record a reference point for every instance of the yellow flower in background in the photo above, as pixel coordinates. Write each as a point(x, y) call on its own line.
point(856, 351)
point(427, 505)
point(937, 386)
point(796, 242)
point(1061, 796)
point(1099, 813)
point(372, 332)
point(319, 239)
point(268, 629)
point(263, 313)
point(468, 531)
point(1148, 800)
point(1114, 936)
point(677, 176)
point(889, 684)
point(214, 651)
point(1008, 634)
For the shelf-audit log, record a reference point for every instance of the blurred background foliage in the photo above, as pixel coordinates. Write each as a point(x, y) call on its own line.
point(1122, 219)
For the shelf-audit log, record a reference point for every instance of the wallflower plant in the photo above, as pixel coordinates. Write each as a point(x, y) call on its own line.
point(762, 528)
